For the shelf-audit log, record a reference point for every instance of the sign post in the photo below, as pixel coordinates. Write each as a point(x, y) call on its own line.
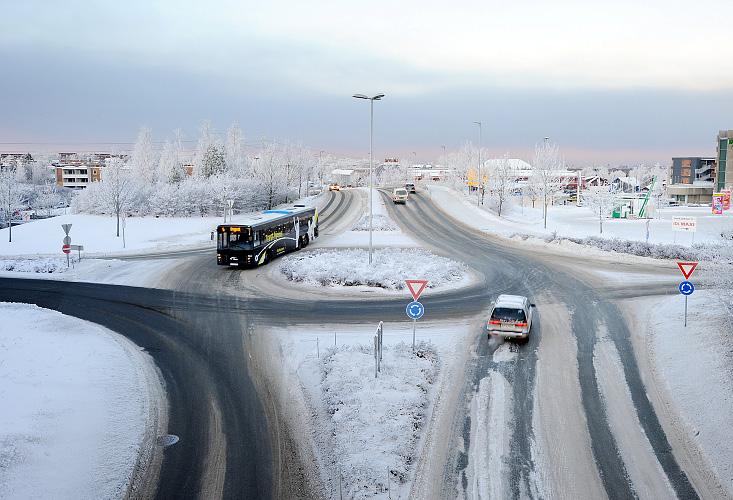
point(66, 248)
point(686, 288)
point(415, 309)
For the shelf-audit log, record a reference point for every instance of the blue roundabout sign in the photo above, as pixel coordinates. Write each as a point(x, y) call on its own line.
point(686, 288)
point(415, 310)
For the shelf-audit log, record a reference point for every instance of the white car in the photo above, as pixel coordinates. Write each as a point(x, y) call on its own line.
point(511, 317)
point(399, 195)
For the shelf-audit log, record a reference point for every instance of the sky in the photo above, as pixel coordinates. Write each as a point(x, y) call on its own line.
point(610, 82)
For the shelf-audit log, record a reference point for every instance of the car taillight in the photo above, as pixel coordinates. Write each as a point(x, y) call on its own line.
point(495, 322)
point(520, 323)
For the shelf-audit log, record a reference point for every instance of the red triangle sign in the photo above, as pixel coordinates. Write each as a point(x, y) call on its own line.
point(687, 268)
point(416, 287)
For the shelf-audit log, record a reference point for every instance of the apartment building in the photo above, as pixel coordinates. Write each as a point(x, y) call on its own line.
point(77, 171)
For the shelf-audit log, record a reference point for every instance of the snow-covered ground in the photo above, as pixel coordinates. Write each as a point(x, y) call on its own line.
point(389, 269)
point(81, 406)
point(691, 366)
point(365, 429)
point(580, 222)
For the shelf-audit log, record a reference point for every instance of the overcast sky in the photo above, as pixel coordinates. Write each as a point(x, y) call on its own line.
point(622, 81)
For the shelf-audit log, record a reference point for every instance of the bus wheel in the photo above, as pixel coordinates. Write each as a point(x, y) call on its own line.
point(305, 241)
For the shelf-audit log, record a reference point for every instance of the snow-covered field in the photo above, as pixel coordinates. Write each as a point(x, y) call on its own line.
point(580, 222)
point(389, 268)
point(347, 405)
point(693, 367)
point(80, 406)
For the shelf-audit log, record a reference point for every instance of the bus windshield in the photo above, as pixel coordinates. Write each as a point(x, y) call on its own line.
point(234, 241)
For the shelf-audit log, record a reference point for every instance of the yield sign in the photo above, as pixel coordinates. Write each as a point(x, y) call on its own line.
point(687, 268)
point(416, 287)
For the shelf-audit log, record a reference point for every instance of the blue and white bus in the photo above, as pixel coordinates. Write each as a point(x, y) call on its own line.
point(261, 237)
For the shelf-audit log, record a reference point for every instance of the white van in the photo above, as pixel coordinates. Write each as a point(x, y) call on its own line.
point(399, 195)
point(511, 317)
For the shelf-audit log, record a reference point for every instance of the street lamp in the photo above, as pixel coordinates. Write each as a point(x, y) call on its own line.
point(371, 147)
point(478, 180)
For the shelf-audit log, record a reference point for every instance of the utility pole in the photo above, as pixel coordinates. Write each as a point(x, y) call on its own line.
point(479, 183)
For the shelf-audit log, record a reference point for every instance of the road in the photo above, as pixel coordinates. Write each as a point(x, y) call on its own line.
point(234, 443)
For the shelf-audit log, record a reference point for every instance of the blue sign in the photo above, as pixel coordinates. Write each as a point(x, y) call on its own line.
point(686, 288)
point(415, 310)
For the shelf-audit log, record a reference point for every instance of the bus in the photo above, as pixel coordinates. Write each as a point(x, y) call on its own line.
point(261, 237)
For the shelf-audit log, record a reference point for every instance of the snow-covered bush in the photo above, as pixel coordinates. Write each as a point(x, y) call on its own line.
point(382, 415)
point(48, 265)
point(390, 267)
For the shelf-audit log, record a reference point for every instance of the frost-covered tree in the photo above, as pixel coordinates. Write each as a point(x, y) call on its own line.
point(601, 200)
point(11, 197)
point(546, 169)
point(501, 181)
point(48, 198)
point(234, 148)
point(117, 189)
point(272, 173)
point(143, 160)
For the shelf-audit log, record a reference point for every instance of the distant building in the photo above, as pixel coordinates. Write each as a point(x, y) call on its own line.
point(692, 169)
point(724, 157)
point(77, 171)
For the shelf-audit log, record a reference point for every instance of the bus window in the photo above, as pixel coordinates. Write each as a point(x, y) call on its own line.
point(239, 241)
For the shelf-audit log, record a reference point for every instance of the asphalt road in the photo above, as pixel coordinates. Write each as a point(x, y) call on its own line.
point(508, 269)
point(231, 447)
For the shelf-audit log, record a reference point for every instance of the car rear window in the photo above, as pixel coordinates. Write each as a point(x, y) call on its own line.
point(507, 314)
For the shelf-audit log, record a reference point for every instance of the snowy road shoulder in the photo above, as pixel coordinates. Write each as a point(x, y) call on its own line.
point(690, 381)
point(82, 409)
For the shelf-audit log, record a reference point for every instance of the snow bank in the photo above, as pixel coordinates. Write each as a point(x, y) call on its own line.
point(77, 399)
point(693, 364)
point(40, 265)
point(376, 423)
point(390, 267)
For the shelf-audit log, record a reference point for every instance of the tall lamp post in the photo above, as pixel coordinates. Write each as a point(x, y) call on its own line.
point(371, 146)
point(479, 183)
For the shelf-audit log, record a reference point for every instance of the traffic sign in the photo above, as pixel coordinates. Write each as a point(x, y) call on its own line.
point(66, 228)
point(686, 288)
point(67, 240)
point(415, 310)
point(687, 268)
point(416, 287)
point(66, 249)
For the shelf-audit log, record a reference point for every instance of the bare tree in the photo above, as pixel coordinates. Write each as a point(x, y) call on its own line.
point(601, 200)
point(271, 173)
point(11, 197)
point(118, 189)
point(546, 173)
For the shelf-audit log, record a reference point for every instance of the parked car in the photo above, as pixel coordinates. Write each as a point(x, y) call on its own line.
point(410, 187)
point(399, 195)
point(510, 317)
point(334, 187)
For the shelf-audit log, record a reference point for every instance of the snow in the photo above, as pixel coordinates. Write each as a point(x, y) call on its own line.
point(77, 401)
point(356, 441)
point(356, 400)
point(693, 365)
point(569, 221)
point(40, 265)
point(389, 268)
